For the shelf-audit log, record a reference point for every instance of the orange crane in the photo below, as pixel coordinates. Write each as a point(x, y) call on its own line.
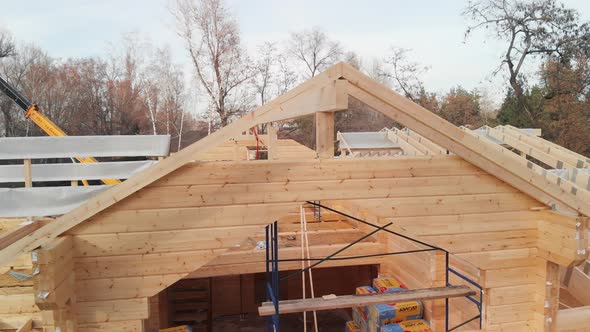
point(33, 112)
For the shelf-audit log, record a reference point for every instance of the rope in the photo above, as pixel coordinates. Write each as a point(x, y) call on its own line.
point(315, 317)
point(302, 215)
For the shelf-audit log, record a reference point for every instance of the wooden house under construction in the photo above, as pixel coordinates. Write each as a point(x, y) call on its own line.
point(492, 224)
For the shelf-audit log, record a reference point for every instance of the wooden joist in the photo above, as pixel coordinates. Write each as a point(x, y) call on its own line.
point(349, 301)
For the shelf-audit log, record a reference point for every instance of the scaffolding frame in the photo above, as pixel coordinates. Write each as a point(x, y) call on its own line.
point(272, 266)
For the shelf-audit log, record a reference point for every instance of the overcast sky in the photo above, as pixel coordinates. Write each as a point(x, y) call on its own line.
point(433, 29)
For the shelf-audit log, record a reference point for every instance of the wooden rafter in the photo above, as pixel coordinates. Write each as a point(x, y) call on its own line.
point(426, 142)
point(481, 153)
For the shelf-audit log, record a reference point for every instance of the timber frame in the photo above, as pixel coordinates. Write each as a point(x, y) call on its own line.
point(507, 221)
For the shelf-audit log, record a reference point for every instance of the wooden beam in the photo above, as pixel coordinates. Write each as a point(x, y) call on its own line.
point(349, 301)
point(272, 142)
point(323, 93)
point(548, 147)
point(324, 134)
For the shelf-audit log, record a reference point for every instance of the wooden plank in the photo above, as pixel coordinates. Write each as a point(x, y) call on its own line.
point(324, 134)
point(230, 194)
point(480, 153)
point(25, 228)
point(578, 286)
point(111, 311)
point(573, 320)
point(349, 301)
point(122, 326)
point(317, 94)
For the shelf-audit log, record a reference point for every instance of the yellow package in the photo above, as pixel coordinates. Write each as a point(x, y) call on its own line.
point(352, 327)
point(388, 285)
point(417, 325)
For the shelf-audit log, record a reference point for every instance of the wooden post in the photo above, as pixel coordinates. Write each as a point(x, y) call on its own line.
point(324, 134)
point(28, 175)
point(272, 142)
point(551, 304)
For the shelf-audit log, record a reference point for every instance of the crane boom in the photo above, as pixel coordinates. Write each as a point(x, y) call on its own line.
point(33, 112)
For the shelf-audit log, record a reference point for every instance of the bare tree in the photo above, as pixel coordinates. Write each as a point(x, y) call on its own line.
point(314, 49)
point(212, 38)
point(272, 76)
point(6, 44)
point(403, 74)
point(529, 28)
point(264, 75)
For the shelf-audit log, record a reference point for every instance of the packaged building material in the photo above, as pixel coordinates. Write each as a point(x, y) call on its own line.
point(359, 314)
point(383, 314)
point(417, 325)
point(351, 327)
point(388, 285)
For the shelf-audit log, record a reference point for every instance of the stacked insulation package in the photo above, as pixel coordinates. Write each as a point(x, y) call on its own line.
point(391, 317)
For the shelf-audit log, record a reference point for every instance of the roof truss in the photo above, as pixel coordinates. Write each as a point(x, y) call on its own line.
point(329, 92)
